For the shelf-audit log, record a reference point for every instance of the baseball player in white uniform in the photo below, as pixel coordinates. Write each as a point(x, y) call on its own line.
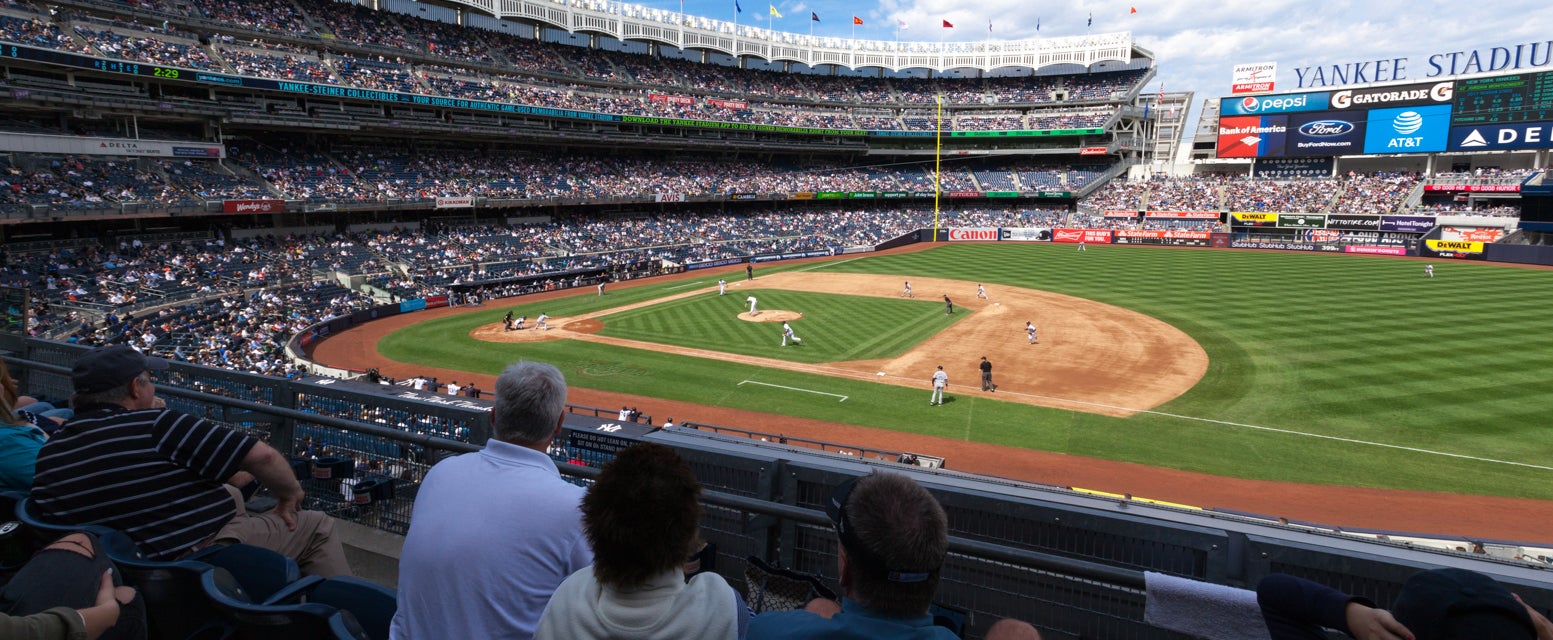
point(981, 292)
point(722, 287)
point(751, 300)
point(940, 380)
point(544, 321)
point(787, 332)
point(1429, 270)
point(519, 324)
point(1030, 331)
point(907, 292)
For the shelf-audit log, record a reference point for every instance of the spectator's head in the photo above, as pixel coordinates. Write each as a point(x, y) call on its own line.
point(530, 398)
point(114, 375)
point(8, 386)
point(894, 536)
point(641, 515)
point(1457, 604)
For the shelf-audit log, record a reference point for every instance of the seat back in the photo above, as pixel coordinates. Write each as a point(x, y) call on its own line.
point(250, 621)
point(261, 571)
point(371, 604)
point(46, 531)
point(176, 605)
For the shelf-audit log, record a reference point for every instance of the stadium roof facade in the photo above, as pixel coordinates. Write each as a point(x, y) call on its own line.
point(627, 21)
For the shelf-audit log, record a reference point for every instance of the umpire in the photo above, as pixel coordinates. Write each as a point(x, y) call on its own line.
point(986, 376)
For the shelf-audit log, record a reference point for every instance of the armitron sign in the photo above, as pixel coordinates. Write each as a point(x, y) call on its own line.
point(1253, 77)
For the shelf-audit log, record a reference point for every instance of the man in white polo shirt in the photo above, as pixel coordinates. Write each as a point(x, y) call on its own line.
point(494, 532)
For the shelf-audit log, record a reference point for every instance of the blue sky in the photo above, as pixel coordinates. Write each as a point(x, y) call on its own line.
point(1196, 43)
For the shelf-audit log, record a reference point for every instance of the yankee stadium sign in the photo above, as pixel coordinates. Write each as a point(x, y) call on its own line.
point(1528, 55)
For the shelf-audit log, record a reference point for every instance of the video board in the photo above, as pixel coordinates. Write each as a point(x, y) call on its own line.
point(1478, 114)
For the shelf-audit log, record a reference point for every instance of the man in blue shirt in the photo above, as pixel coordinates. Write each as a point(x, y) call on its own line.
point(893, 540)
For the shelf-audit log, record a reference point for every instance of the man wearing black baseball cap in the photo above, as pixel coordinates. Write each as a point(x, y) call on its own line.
point(893, 538)
point(127, 462)
point(1438, 604)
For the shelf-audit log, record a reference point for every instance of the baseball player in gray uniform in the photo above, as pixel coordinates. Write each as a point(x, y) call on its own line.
point(940, 380)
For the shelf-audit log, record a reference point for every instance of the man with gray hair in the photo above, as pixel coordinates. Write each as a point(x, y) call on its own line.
point(494, 532)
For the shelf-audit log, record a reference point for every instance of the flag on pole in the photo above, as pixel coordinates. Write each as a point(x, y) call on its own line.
point(989, 26)
point(737, 8)
point(1091, 19)
point(947, 25)
point(774, 11)
point(1037, 24)
point(1134, 10)
point(901, 24)
point(857, 20)
point(814, 16)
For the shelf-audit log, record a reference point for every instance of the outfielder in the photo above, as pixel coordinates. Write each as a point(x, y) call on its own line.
point(722, 287)
point(981, 292)
point(1429, 270)
point(1030, 331)
point(751, 300)
point(940, 380)
point(543, 321)
point(948, 306)
point(907, 292)
point(787, 332)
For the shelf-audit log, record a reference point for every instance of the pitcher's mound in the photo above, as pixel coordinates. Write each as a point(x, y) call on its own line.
point(771, 316)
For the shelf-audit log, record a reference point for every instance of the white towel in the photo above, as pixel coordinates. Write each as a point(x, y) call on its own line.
point(1202, 609)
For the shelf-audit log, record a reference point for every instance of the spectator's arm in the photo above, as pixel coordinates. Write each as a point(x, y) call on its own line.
point(273, 471)
point(1307, 602)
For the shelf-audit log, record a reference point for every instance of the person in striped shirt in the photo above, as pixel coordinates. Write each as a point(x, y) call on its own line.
point(167, 479)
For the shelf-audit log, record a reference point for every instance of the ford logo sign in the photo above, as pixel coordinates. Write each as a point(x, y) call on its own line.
point(1326, 128)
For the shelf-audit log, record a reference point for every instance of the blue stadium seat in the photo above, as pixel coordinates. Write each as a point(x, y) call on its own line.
point(176, 605)
point(296, 621)
point(372, 605)
point(47, 531)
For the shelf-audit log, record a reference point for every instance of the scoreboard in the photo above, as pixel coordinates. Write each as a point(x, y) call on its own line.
point(1523, 97)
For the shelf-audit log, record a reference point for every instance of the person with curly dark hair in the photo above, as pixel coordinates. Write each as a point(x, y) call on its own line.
point(641, 517)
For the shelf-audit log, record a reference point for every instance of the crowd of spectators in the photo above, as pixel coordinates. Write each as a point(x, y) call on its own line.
point(1371, 193)
point(144, 47)
point(1293, 195)
point(1382, 192)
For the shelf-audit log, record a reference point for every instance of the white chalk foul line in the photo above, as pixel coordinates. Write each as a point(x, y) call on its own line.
point(682, 286)
point(765, 384)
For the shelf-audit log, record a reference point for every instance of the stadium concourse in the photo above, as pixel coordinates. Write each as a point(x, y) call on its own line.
point(1350, 507)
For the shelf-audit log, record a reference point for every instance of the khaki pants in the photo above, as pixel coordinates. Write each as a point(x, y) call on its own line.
point(313, 545)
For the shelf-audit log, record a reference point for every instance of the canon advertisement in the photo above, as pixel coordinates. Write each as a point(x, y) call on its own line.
point(981, 234)
point(1333, 133)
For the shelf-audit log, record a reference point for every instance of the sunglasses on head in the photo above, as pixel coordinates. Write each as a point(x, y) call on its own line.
point(836, 508)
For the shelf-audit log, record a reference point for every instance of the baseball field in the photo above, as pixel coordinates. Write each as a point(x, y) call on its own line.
point(1288, 367)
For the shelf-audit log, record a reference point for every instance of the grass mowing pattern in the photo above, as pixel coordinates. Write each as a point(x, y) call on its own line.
point(1354, 347)
point(834, 327)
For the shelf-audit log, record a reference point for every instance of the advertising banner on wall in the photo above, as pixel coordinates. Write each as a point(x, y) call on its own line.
point(1247, 219)
point(1435, 93)
point(1302, 167)
point(455, 203)
point(1407, 129)
point(1353, 222)
point(1494, 137)
point(1111, 213)
point(1261, 105)
point(1183, 215)
point(1407, 224)
point(1302, 221)
point(1453, 249)
point(1252, 136)
point(1281, 245)
point(1163, 237)
point(1472, 234)
point(1073, 236)
point(253, 206)
point(973, 234)
point(1330, 133)
point(1512, 187)
point(1253, 77)
point(1375, 251)
point(1025, 234)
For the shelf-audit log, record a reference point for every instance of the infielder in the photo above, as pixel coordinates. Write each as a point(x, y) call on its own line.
point(1030, 331)
point(1429, 270)
point(981, 292)
point(543, 323)
point(940, 380)
point(751, 300)
point(787, 332)
point(722, 287)
point(601, 287)
point(948, 306)
point(907, 292)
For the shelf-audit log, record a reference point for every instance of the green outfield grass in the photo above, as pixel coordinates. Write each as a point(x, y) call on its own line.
point(1336, 353)
point(834, 327)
